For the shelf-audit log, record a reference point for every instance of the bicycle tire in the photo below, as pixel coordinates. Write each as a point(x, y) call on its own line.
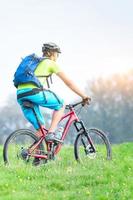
point(11, 137)
point(100, 142)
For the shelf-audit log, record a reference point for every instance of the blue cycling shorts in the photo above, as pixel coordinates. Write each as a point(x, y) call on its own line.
point(46, 98)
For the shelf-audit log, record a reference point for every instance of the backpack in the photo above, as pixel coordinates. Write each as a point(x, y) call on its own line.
point(25, 71)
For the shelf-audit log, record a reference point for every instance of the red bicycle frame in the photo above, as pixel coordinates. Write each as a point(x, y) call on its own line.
point(72, 117)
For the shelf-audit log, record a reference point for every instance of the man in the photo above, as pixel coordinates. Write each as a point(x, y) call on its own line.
point(47, 98)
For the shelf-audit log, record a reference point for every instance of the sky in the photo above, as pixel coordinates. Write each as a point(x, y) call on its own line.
point(95, 36)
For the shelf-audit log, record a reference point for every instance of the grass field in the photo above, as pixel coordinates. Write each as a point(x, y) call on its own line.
point(65, 179)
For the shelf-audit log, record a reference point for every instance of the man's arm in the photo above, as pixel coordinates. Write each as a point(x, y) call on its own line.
point(72, 86)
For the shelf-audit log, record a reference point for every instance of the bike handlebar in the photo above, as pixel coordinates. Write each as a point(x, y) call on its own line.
point(69, 106)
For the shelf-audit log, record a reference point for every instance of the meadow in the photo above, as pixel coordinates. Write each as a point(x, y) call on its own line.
point(65, 179)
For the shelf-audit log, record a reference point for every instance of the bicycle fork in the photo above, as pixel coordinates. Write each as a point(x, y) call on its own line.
point(80, 127)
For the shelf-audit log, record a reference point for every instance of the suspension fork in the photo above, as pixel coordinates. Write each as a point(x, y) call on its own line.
point(80, 127)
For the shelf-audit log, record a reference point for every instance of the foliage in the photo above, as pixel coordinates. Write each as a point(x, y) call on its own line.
point(112, 106)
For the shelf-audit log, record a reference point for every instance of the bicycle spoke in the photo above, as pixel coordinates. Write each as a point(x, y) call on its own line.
point(99, 149)
point(18, 147)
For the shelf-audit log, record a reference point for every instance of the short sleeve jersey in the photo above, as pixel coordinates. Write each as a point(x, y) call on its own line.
point(45, 68)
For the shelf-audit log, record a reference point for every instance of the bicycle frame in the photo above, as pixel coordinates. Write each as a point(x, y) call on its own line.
point(72, 118)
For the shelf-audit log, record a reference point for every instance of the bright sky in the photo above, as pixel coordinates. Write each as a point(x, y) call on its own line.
point(95, 36)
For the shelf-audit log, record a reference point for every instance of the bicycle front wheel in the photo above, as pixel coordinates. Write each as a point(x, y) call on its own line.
point(16, 147)
point(92, 144)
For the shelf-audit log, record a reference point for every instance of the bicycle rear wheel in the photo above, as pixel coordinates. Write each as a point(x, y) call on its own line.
point(16, 147)
point(83, 149)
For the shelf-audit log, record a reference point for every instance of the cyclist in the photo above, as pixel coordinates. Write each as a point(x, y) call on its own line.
point(46, 97)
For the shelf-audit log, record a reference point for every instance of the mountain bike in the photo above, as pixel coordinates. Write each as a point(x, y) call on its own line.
point(24, 146)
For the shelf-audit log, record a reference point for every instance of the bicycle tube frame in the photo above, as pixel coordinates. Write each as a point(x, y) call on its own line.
point(72, 117)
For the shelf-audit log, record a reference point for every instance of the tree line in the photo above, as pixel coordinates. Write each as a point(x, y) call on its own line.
point(112, 106)
point(111, 109)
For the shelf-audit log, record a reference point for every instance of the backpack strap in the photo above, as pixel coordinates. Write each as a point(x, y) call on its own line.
point(47, 79)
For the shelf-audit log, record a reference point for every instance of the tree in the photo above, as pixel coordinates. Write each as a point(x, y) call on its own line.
point(112, 108)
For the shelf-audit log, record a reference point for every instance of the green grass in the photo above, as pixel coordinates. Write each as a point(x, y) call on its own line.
point(65, 179)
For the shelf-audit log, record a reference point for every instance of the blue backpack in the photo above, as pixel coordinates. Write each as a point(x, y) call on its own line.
point(25, 71)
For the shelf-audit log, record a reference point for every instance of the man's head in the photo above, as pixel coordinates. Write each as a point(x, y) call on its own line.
point(51, 50)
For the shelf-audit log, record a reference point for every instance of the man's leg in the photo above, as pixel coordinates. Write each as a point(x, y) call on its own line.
point(56, 118)
point(30, 116)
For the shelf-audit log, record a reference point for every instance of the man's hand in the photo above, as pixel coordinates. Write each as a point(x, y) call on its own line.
point(86, 100)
